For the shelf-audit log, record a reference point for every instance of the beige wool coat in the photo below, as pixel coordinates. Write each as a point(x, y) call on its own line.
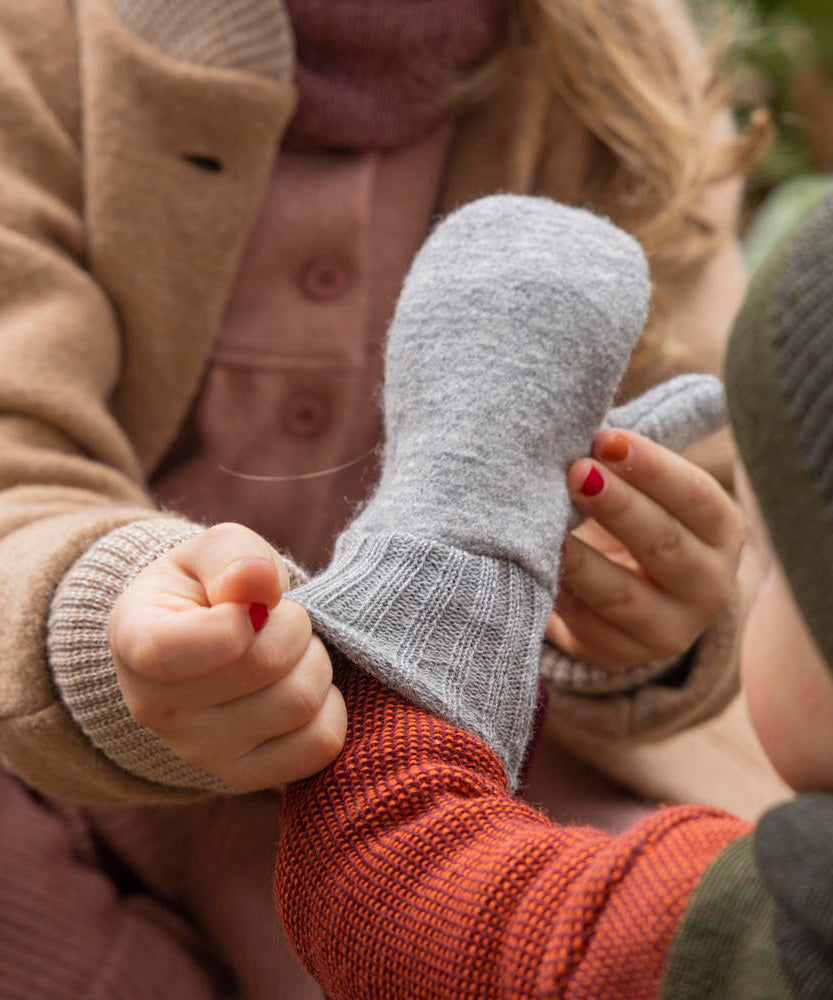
point(136, 140)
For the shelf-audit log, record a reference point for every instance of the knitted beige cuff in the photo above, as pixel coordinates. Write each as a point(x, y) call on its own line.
point(79, 653)
point(249, 35)
point(570, 676)
point(644, 703)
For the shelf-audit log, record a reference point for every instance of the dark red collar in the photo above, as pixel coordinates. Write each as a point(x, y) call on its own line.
point(369, 71)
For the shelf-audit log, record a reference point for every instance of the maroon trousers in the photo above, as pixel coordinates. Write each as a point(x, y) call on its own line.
point(132, 904)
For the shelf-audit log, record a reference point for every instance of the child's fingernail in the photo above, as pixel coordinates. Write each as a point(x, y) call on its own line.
point(258, 613)
point(615, 448)
point(593, 483)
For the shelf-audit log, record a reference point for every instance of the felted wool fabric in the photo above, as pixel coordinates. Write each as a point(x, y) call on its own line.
point(676, 413)
point(509, 340)
point(779, 380)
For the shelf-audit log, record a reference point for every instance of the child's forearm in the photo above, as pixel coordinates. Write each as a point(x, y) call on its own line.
point(407, 870)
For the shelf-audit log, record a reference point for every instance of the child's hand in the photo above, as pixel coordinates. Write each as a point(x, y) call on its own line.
point(655, 564)
point(255, 709)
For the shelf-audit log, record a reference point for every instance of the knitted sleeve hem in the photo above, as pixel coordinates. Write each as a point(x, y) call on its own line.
point(80, 659)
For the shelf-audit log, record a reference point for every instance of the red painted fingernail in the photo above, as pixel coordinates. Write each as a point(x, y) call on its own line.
point(258, 613)
point(593, 483)
point(615, 448)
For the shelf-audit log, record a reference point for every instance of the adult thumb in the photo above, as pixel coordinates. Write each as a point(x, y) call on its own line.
point(234, 564)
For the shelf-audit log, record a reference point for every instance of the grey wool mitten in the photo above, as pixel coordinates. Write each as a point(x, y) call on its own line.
point(510, 337)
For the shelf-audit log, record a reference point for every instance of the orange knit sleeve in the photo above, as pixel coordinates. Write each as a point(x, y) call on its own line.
point(407, 870)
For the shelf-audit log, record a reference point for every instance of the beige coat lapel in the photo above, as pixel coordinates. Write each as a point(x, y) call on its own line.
point(176, 161)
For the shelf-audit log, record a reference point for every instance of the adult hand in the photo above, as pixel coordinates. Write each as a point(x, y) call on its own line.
point(654, 563)
point(244, 693)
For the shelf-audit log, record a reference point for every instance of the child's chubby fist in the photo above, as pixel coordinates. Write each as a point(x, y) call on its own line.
point(251, 703)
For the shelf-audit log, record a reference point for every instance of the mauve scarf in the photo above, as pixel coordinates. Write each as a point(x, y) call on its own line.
point(369, 71)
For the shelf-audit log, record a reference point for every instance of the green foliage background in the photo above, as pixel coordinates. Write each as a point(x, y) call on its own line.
point(780, 56)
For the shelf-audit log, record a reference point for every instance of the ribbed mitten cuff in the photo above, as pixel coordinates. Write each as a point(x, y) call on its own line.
point(459, 634)
point(79, 653)
point(247, 35)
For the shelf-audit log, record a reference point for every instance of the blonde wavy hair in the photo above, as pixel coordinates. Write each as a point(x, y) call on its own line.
point(649, 96)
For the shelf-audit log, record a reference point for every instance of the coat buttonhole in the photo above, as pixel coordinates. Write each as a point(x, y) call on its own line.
point(209, 163)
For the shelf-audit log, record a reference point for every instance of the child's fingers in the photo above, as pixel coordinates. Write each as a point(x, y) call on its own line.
point(675, 558)
point(278, 648)
point(234, 564)
point(677, 485)
point(681, 537)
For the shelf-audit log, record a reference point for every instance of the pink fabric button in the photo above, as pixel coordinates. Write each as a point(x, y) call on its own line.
point(325, 278)
point(306, 414)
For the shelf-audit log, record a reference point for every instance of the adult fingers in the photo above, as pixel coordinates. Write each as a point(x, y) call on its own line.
point(296, 755)
point(582, 634)
point(642, 621)
point(224, 674)
point(665, 548)
point(680, 487)
point(233, 564)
